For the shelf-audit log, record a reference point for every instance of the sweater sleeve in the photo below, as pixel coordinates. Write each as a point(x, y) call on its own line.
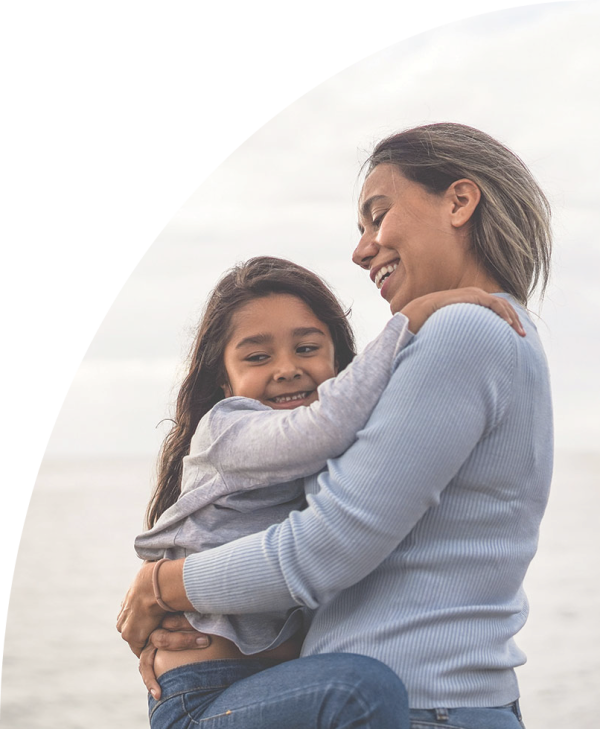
point(450, 388)
point(253, 445)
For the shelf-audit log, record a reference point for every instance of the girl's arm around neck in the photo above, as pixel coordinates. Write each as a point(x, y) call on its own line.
point(252, 445)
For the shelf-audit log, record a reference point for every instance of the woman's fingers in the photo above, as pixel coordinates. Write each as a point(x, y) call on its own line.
point(176, 621)
point(178, 640)
point(147, 671)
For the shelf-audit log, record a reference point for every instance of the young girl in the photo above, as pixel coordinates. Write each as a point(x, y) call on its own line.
point(273, 338)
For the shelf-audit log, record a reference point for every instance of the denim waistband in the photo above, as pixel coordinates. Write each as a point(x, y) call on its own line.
point(478, 715)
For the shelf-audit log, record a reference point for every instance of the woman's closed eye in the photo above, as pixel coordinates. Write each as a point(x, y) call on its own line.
point(376, 223)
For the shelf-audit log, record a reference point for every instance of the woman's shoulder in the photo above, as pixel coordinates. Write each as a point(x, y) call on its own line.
point(470, 326)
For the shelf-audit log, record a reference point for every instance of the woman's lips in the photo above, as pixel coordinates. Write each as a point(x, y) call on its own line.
point(381, 276)
point(386, 284)
point(383, 272)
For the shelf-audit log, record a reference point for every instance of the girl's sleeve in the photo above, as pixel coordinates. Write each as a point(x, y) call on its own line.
point(449, 389)
point(253, 445)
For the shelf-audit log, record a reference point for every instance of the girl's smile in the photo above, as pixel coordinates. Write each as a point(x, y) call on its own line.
point(279, 352)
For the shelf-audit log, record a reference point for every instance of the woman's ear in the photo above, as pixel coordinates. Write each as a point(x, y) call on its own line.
point(464, 197)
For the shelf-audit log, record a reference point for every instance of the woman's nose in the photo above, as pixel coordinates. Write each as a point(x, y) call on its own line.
point(365, 251)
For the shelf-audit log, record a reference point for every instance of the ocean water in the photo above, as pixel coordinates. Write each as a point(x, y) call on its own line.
point(66, 667)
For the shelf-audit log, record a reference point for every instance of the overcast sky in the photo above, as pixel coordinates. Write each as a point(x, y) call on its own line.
point(528, 76)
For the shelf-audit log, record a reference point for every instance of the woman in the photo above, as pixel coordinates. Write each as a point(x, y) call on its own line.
point(416, 541)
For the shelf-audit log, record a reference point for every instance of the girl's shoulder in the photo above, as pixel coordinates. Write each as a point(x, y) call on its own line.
point(232, 407)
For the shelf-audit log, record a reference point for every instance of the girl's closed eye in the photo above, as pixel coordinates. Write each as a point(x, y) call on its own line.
point(307, 348)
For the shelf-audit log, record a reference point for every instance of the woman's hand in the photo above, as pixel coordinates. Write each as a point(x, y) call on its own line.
point(174, 634)
point(140, 613)
point(419, 310)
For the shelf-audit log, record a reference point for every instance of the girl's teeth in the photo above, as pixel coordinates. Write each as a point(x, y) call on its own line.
point(289, 398)
point(383, 273)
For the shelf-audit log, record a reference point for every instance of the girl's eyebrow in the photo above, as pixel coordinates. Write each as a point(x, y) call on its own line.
point(305, 331)
point(254, 339)
point(266, 338)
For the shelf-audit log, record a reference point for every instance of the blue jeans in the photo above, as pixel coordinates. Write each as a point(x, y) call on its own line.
point(329, 691)
point(500, 717)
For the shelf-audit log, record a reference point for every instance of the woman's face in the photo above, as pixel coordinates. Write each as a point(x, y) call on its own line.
point(414, 242)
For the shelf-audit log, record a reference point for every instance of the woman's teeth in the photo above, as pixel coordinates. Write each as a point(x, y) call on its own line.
point(383, 273)
point(289, 398)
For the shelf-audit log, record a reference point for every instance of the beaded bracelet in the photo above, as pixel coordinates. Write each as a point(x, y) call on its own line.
point(157, 596)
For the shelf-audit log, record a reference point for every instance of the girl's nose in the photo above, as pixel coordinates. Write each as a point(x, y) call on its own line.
point(365, 251)
point(287, 370)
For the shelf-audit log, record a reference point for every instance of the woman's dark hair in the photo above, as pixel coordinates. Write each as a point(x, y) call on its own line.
point(510, 231)
point(201, 388)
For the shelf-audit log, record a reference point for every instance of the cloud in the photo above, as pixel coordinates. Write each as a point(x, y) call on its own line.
point(527, 76)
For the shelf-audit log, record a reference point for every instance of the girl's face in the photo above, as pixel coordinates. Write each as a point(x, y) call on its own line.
point(413, 242)
point(278, 353)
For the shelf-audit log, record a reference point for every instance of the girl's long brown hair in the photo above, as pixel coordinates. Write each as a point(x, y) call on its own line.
point(201, 388)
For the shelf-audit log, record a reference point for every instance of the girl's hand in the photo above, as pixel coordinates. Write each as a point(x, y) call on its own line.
point(174, 634)
point(419, 310)
point(140, 613)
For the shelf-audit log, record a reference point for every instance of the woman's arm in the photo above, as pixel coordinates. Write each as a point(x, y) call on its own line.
point(255, 446)
point(376, 461)
point(449, 389)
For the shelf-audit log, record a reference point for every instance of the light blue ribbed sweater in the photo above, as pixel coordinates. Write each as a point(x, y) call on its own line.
point(416, 541)
point(245, 470)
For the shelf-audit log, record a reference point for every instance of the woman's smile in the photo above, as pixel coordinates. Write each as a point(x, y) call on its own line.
point(380, 275)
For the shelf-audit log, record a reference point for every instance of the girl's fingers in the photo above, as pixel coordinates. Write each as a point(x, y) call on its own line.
point(508, 313)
